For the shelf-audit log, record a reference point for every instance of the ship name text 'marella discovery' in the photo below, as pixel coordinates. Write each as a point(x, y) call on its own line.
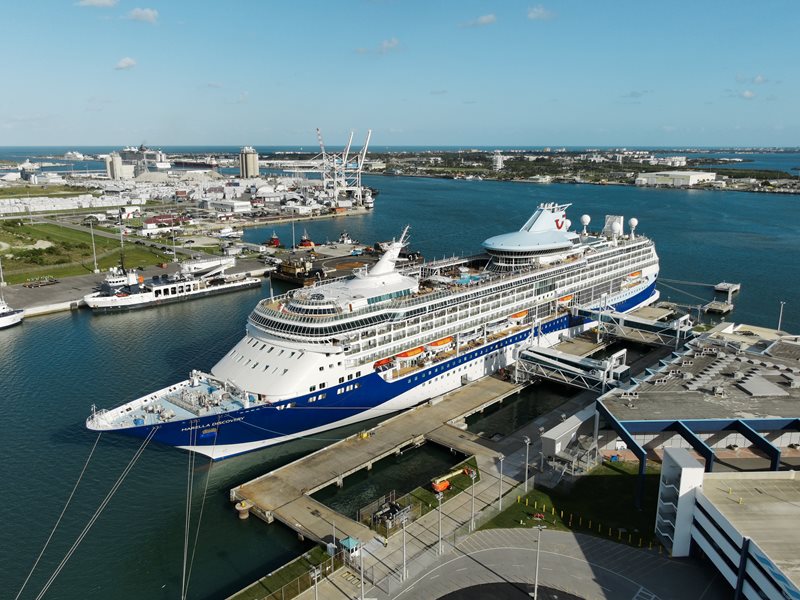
point(390, 337)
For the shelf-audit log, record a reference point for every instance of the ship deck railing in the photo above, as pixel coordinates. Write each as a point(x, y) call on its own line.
point(266, 306)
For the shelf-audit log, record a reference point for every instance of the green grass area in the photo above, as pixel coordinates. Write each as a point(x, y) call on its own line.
point(291, 579)
point(70, 253)
point(600, 503)
point(23, 191)
point(458, 483)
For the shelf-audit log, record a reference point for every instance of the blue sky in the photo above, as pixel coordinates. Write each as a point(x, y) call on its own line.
point(467, 72)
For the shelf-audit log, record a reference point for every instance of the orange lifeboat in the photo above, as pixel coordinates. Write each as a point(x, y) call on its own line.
point(565, 299)
point(382, 362)
point(411, 353)
point(518, 316)
point(441, 344)
point(635, 274)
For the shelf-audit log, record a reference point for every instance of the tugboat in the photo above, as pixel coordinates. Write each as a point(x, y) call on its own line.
point(274, 241)
point(305, 241)
point(345, 238)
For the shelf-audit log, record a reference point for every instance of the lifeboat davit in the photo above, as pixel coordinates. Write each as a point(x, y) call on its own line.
point(518, 316)
point(382, 362)
point(410, 353)
point(441, 344)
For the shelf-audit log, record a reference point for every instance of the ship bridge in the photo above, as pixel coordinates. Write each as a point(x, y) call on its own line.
point(545, 237)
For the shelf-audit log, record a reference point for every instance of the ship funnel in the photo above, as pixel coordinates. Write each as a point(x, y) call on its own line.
point(386, 263)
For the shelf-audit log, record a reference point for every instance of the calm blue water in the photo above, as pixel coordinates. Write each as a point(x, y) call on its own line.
point(53, 368)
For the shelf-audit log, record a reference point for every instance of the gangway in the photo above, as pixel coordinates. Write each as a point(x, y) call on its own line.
point(638, 329)
point(562, 367)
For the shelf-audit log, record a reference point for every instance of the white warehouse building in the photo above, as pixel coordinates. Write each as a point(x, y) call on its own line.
point(674, 178)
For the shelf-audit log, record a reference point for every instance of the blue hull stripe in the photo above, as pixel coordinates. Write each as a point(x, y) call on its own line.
point(261, 423)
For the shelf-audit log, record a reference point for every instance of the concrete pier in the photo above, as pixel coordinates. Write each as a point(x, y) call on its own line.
point(284, 494)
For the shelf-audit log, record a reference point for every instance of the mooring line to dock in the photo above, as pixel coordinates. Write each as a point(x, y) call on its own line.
point(200, 517)
point(661, 282)
point(188, 516)
point(58, 521)
point(679, 281)
point(97, 512)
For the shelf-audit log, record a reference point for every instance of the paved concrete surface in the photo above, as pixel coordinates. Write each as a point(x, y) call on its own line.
point(764, 507)
point(586, 566)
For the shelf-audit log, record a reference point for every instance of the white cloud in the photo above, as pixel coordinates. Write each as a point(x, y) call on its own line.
point(540, 13)
point(759, 79)
point(747, 94)
point(125, 64)
point(388, 45)
point(636, 93)
point(98, 3)
point(145, 15)
point(481, 21)
point(385, 47)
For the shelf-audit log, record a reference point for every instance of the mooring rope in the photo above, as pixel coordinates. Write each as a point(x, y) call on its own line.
point(64, 510)
point(97, 512)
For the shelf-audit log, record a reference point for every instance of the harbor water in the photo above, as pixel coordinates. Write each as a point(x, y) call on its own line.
point(52, 369)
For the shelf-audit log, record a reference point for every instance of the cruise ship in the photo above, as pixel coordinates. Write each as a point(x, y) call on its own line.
point(388, 337)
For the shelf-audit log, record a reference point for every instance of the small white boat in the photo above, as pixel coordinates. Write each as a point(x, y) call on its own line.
point(8, 315)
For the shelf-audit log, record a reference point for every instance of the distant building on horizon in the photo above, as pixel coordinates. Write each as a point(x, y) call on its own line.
point(248, 163)
point(498, 160)
point(674, 178)
point(116, 170)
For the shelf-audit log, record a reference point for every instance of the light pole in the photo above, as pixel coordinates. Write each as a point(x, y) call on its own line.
point(439, 496)
point(538, 547)
point(500, 482)
point(94, 250)
point(527, 441)
point(472, 475)
point(361, 567)
point(780, 315)
point(315, 573)
point(405, 571)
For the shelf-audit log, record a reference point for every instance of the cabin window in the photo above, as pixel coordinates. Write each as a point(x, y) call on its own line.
point(312, 399)
point(341, 379)
point(321, 396)
point(350, 377)
point(322, 368)
point(313, 388)
point(158, 293)
point(322, 385)
point(357, 385)
point(358, 373)
point(339, 391)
